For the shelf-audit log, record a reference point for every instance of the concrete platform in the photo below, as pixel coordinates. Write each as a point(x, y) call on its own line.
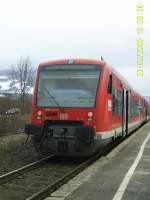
point(123, 174)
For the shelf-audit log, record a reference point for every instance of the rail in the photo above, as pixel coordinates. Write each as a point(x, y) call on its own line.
point(41, 182)
point(38, 179)
point(7, 177)
point(9, 134)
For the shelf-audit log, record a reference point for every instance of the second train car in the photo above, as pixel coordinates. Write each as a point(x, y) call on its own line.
point(79, 105)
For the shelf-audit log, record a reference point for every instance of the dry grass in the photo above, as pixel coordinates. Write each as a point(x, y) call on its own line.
point(8, 143)
point(13, 123)
point(14, 153)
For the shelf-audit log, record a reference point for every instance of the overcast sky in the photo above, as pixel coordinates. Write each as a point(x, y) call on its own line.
point(54, 29)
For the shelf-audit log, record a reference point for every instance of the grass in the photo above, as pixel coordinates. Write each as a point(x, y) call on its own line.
point(14, 153)
point(13, 123)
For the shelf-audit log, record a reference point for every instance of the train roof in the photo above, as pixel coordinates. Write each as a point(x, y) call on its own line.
point(73, 61)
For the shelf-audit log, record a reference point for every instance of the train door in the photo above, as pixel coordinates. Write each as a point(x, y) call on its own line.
point(125, 112)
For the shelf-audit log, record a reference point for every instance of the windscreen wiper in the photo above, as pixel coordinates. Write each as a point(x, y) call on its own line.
point(52, 97)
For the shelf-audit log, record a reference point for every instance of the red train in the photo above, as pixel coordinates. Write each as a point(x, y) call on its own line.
point(79, 105)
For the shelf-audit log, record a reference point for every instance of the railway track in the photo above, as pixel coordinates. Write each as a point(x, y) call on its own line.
point(41, 178)
point(26, 182)
point(10, 134)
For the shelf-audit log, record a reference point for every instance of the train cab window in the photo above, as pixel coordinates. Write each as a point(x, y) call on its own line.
point(109, 89)
point(68, 86)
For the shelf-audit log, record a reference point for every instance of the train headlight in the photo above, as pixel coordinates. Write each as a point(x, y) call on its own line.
point(90, 116)
point(39, 114)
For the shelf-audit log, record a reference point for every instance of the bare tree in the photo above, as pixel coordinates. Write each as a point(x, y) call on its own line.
point(22, 78)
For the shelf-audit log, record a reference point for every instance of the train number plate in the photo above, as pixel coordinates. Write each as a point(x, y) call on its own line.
point(63, 116)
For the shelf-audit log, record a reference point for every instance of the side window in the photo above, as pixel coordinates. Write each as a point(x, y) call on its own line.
point(135, 107)
point(117, 102)
point(109, 89)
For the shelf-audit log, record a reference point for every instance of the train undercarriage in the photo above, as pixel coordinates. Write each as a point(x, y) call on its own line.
point(63, 138)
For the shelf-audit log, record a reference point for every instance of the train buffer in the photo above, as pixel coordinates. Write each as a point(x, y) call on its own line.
point(124, 174)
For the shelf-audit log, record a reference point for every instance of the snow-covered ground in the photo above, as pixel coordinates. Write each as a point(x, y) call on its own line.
point(6, 86)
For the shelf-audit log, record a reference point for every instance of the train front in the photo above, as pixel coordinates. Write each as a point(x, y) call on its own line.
point(64, 108)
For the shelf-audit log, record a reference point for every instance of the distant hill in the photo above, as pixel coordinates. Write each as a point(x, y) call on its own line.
point(4, 72)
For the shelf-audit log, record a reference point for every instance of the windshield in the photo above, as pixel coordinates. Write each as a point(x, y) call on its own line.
point(68, 86)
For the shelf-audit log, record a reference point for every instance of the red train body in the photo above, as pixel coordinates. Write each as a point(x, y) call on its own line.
point(79, 105)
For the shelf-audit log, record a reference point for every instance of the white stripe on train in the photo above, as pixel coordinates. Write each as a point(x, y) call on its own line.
point(117, 131)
